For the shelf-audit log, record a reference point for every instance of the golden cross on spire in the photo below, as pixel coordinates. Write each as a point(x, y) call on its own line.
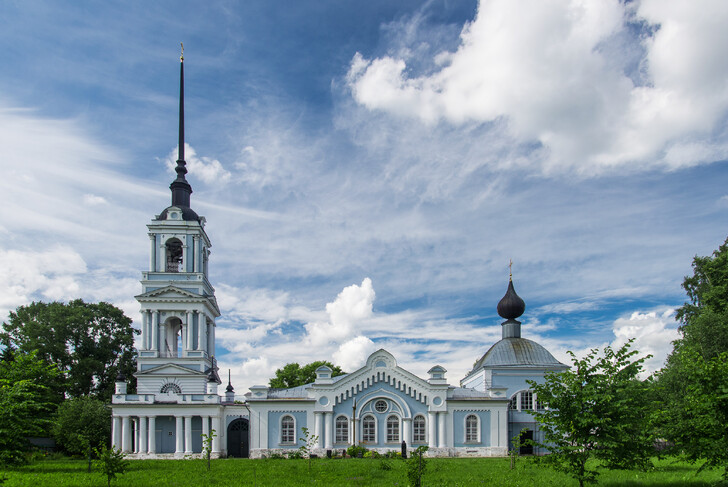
point(510, 269)
point(182, 54)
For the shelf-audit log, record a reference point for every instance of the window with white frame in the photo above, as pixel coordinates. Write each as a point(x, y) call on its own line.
point(526, 400)
point(471, 429)
point(288, 429)
point(342, 429)
point(418, 429)
point(368, 429)
point(514, 402)
point(393, 429)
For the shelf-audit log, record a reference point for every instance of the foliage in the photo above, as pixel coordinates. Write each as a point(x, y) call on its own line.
point(26, 404)
point(111, 462)
point(516, 443)
point(82, 424)
point(354, 450)
point(292, 375)
point(89, 342)
point(416, 465)
point(309, 443)
point(595, 410)
point(693, 386)
point(207, 446)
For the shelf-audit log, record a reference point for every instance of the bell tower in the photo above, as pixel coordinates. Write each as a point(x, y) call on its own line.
point(176, 353)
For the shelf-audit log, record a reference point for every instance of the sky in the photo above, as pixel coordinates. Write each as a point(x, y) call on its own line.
point(368, 169)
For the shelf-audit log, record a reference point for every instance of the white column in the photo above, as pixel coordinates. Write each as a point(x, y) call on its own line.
point(180, 446)
point(184, 334)
point(407, 431)
point(216, 439)
point(155, 330)
point(211, 348)
point(317, 427)
point(188, 434)
point(432, 429)
point(205, 426)
point(196, 250)
point(116, 432)
point(145, 336)
point(355, 427)
point(442, 429)
point(152, 254)
point(135, 422)
point(125, 434)
point(142, 435)
point(152, 434)
point(328, 429)
point(201, 338)
point(190, 331)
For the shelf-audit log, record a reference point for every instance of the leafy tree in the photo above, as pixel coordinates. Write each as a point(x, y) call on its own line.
point(595, 410)
point(693, 385)
point(111, 462)
point(292, 375)
point(83, 424)
point(207, 447)
point(88, 342)
point(26, 404)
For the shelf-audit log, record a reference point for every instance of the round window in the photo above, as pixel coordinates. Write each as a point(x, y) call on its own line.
point(380, 406)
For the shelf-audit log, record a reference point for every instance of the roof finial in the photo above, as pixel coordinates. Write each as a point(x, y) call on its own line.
point(182, 54)
point(181, 189)
point(510, 269)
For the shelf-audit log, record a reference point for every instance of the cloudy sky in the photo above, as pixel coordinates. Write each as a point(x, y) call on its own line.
point(367, 169)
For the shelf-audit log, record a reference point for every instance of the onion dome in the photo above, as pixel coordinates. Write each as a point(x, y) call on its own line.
point(511, 306)
point(211, 377)
point(120, 377)
point(229, 387)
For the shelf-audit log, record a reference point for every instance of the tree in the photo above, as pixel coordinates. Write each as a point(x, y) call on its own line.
point(111, 462)
point(595, 410)
point(88, 342)
point(82, 425)
point(26, 404)
point(693, 385)
point(292, 375)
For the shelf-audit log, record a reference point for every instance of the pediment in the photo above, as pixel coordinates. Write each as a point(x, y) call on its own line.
point(170, 369)
point(169, 292)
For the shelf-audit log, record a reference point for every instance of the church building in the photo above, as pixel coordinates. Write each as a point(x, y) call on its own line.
point(381, 405)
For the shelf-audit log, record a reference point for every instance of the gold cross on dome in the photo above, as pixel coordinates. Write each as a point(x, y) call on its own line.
point(510, 269)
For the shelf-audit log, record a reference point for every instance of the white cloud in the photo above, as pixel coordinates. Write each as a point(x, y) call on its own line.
point(207, 169)
point(557, 72)
point(653, 331)
point(92, 200)
point(352, 354)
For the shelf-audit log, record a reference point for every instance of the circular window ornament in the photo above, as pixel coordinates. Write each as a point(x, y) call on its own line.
point(437, 401)
point(380, 406)
point(324, 401)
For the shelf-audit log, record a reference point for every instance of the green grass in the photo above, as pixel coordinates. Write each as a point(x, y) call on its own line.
point(348, 472)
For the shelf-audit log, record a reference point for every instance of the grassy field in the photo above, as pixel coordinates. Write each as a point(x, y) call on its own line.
point(349, 472)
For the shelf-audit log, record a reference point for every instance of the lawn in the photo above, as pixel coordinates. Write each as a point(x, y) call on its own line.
point(349, 472)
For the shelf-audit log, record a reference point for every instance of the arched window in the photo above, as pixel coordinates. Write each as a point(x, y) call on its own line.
point(288, 430)
point(471, 429)
point(526, 400)
point(170, 387)
point(368, 429)
point(342, 429)
point(174, 255)
point(514, 402)
point(418, 429)
point(392, 429)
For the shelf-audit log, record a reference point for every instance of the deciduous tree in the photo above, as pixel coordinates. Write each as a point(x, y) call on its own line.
point(83, 424)
point(88, 342)
point(595, 410)
point(292, 375)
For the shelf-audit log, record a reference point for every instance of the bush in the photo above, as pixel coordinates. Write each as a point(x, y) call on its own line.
point(416, 465)
point(354, 450)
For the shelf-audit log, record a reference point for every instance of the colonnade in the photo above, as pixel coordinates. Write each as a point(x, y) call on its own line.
point(154, 334)
point(143, 428)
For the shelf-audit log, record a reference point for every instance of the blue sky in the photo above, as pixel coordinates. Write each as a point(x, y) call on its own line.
point(367, 169)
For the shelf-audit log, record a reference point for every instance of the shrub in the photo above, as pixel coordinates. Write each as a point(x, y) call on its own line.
point(354, 450)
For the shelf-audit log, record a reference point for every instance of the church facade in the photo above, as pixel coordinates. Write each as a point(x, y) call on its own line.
point(178, 404)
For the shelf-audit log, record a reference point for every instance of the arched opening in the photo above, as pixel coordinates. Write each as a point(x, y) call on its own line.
point(174, 255)
point(238, 443)
point(172, 337)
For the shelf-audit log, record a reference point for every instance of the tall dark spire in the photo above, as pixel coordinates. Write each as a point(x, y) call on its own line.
point(181, 189)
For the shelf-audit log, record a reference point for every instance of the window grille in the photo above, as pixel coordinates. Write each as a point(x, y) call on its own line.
point(288, 430)
point(471, 429)
point(342, 429)
point(393, 429)
point(369, 429)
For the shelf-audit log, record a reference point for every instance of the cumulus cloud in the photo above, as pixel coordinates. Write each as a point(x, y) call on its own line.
point(351, 307)
point(653, 331)
point(207, 169)
point(575, 78)
point(352, 354)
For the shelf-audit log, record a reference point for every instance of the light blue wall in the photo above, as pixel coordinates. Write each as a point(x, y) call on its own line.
point(274, 425)
point(415, 407)
point(459, 428)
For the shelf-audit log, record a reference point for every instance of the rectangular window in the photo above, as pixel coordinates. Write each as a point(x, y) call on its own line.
point(368, 430)
point(419, 430)
point(288, 430)
point(526, 400)
point(471, 429)
point(392, 429)
point(342, 430)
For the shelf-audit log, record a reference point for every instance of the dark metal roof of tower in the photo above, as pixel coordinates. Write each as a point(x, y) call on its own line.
point(511, 306)
point(181, 189)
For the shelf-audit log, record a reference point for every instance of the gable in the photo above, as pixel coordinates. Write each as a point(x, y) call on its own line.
point(169, 292)
point(169, 370)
